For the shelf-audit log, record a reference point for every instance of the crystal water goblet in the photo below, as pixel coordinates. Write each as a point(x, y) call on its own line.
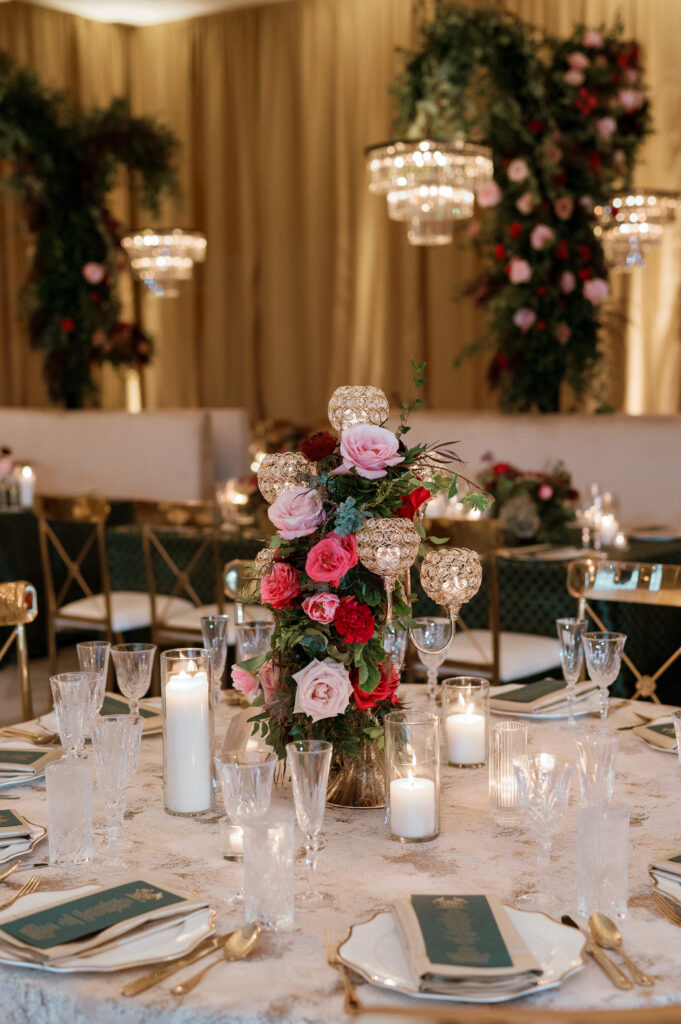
point(214, 629)
point(395, 646)
point(543, 782)
point(73, 694)
point(115, 741)
point(603, 661)
point(432, 633)
point(570, 633)
point(93, 656)
point(246, 778)
point(596, 756)
point(308, 763)
point(134, 664)
point(253, 639)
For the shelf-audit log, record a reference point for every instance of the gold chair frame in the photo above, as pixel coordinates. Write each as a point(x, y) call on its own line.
point(18, 607)
point(641, 583)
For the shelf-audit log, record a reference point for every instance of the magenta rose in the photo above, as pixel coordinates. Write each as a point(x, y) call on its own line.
point(519, 271)
point(488, 195)
point(541, 237)
point(517, 170)
point(525, 204)
point(321, 607)
point(268, 677)
point(243, 681)
point(324, 689)
point(297, 512)
point(328, 560)
point(524, 319)
point(596, 290)
point(368, 449)
point(281, 585)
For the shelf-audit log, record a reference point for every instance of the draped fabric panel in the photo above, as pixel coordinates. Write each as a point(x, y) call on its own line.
point(307, 284)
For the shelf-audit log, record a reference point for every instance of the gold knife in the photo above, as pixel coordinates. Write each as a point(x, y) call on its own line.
point(617, 977)
point(209, 945)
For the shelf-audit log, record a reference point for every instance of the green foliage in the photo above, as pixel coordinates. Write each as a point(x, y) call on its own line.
point(63, 164)
point(533, 506)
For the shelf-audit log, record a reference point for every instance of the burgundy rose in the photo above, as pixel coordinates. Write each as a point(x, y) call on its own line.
point(386, 689)
point(318, 446)
point(354, 621)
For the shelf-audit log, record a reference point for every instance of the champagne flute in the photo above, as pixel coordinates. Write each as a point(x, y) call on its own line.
point(93, 656)
point(603, 661)
point(570, 633)
point(133, 664)
point(309, 762)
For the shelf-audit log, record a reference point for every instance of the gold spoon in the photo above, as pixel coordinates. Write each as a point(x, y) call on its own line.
point(238, 946)
point(606, 933)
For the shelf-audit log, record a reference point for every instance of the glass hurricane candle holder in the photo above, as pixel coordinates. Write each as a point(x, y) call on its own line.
point(508, 742)
point(280, 470)
point(388, 547)
point(466, 711)
point(355, 404)
point(412, 775)
point(187, 709)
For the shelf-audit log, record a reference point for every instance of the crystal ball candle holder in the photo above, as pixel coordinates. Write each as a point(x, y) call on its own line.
point(350, 405)
point(281, 470)
point(452, 576)
point(388, 547)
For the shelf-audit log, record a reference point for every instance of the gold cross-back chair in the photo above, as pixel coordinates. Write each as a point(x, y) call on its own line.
point(113, 613)
point(638, 583)
point(18, 607)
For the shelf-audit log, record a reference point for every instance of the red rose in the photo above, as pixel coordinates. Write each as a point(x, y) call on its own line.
point(354, 621)
point(96, 297)
point(500, 468)
point(67, 324)
point(584, 273)
point(563, 250)
point(541, 289)
point(541, 325)
point(318, 446)
point(515, 229)
point(502, 361)
point(386, 689)
point(534, 126)
point(411, 503)
point(584, 252)
point(280, 586)
point(622, 60)
point(499, 251)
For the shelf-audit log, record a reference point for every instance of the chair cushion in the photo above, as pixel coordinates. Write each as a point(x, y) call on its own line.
point(190, 620)
point(520, 654)
point(130, 609)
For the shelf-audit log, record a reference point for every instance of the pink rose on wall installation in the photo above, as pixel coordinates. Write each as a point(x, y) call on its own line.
point(369, 450)
point(488, 195)
point(578, 60)
point(517, 171)
point(323, 689)
point(519, 271)
point(321, 607)
point(280, 586)
point(525, 204)
point(330, 559)
point(564, 207)
point(574, 77)
point(524, 319)
point(606, 127)
point(593, 39)
point(563, 333)
point(541, 237)
point(596, 291)
point(297, 512)
point(94, 273)
point(631, 99)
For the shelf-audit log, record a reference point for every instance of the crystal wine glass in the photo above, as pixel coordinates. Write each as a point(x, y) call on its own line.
point(603, 660)
point(253, 639)
point(93, 656)
point(73, 694)
point(432, 633)
point(133, 664)
point(246, 778)
point(543, 782)
point(596, 756)
point(115, 741)
point(308, 763)
point(570, 633)
point(215, 638)
point(395, 645)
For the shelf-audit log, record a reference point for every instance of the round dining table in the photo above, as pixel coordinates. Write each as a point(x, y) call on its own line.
point(287, 978)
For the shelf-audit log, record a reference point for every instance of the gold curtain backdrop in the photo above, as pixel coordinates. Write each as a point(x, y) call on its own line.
point(307, 284)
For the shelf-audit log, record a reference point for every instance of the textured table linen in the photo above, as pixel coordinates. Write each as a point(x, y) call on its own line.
point(287, 978)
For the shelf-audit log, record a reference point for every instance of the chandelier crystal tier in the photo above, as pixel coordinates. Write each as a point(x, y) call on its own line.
point(428, 184)
point(631, 222)
point(161, 258)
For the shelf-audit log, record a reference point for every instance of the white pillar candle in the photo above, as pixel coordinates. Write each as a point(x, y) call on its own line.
point(412, 807)
point(608, 528)
point(466, 737)
point(188, 745)
point(26, 487)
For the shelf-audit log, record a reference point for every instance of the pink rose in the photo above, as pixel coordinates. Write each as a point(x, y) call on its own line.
point(574, 77)
point(517, 170)
point(321, 607)
point(541, 237)
point(519, 271)
point(525, 204)
point(592, 39)
point(564, 207)
point(596, 290)
point(545, 492)
point(488, 195)
point(243, 681)
point(578, 60)
point(280, 586)
point(369, 449)
point(567, 282)
point(631, 99)
point(94, 273)
point(297, 512)
point(524, 319)
point(605, 126)
point(328, 560)
point(563, 333)
point(324, 689)
point(268, 677)
point(587, 203)
point(99, 338)
point(630, 75)
point(554, 153)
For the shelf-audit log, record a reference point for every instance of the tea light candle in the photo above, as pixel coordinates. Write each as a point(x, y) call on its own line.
point(188, 746)
point(26, 487)
point(412, 807)
point(466, 738)
point(608, 528)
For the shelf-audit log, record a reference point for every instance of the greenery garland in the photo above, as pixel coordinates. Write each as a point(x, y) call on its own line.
point(565, 119)
point(63, 163)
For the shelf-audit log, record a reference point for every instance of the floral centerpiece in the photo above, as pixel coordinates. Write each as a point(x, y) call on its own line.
point(327, 675)
point(533, 506)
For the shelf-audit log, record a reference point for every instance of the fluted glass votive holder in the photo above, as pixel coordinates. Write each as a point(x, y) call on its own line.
point(508, 741)
point(466, 720)
point(412, 775)
point(187, 708)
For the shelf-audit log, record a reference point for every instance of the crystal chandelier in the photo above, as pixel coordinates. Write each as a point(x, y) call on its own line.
point(428, 184)
point(630, 223)
point(161, 258)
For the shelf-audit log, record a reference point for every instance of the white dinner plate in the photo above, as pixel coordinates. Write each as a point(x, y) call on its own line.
point(586, 707)
point(669, 887)
point(662, 720)
point(663, 532)
point(21, 847)
point(156, 947)
point(373, 949)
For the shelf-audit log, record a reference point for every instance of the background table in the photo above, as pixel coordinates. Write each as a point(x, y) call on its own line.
point(287, 979)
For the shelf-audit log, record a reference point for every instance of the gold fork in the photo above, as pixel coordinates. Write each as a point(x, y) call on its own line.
point(353, 1004)
point(38, 739)
point(30, 885)
point(667, 908)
